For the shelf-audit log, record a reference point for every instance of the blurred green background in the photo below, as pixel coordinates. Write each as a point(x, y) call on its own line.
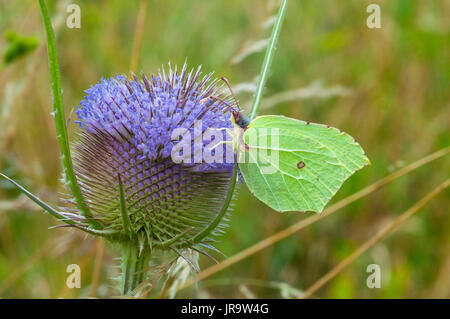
point(387, 87)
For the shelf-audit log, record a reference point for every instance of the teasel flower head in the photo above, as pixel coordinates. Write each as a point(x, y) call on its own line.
point(124, 165)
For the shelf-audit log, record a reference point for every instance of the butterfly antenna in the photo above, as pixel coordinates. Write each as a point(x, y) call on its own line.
point(231, 90)
point(225, 110)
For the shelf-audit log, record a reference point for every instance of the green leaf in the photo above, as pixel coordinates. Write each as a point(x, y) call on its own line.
point(293, 165)
point(18, 46)
point(56, 214)
point(38, 201)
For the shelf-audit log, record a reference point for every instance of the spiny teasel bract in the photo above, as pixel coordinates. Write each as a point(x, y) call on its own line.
point(124, 143)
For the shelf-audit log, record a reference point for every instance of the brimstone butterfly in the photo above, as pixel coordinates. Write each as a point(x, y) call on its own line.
point(292, 165)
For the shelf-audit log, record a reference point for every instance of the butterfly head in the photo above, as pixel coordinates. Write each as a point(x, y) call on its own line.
point(237, 117)
point(240, 119)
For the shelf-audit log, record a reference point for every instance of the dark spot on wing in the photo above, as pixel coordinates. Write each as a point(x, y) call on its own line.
point(301, 164)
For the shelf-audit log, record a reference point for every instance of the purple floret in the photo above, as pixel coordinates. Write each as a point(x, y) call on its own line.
point(146, 112)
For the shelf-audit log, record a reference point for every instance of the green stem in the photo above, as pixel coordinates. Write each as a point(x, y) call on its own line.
point(41, 203)
point(60, 122)
point(123, 210)
point(268, 58)
point(133, 268)
point(211, 226)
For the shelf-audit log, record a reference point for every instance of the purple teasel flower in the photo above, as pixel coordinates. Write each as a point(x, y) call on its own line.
point(125, 142)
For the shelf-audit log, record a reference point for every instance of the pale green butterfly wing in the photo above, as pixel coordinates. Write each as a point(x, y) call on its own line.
point(293, 165)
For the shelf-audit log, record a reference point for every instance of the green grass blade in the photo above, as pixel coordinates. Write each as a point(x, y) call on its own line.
point(38, 201)
point(60, 122)
point(270, 52)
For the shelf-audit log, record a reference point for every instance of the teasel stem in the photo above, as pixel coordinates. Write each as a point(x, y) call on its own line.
point(134, 261)
point(134, 267)
point(60, 121)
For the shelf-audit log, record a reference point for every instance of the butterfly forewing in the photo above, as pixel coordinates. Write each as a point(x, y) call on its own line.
point(292, 165)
